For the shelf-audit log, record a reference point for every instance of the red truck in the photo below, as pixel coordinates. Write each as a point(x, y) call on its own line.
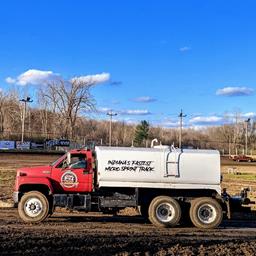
point(242, 158)
point(166, 184)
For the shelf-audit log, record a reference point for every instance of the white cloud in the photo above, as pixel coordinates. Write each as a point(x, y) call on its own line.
point(197, 127)
point(103, 110)
point(249, 115)
point(131, 121)
point(10, 80)
point(185, 49)
point(39, 77)
point(34, 77)
point(206, 120)
point(170, 124)
point(235, 91)
point(139, 112)
point(135, 112)
point(92, 79)
point(144, 99)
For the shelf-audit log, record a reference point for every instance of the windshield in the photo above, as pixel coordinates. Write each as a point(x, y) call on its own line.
point(57, 160)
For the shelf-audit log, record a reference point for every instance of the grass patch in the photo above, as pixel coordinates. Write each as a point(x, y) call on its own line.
point(7, 177)
point(240, 176)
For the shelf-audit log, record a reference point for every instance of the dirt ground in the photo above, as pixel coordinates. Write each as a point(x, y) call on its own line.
point(9, 163)
point(80, 234)
point(96, 234)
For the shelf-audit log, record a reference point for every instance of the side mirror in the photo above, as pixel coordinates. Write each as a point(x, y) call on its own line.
point(64, 165)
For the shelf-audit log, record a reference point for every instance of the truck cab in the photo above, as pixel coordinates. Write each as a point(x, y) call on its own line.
point(54, 184)
point(73, 173)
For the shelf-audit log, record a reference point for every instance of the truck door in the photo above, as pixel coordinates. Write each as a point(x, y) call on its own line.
point(73, 174)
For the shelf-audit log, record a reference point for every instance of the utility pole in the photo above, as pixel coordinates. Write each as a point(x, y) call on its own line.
point(25, 101)
point(246, 135)
point(110, 114)
point(181, 116)
point(236, 133)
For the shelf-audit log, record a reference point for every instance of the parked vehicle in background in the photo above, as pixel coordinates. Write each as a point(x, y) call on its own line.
point(242, 158)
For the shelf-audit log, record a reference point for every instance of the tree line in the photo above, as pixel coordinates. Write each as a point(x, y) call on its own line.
point(61, 111)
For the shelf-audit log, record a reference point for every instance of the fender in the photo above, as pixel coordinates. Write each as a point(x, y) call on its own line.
point(23, 180)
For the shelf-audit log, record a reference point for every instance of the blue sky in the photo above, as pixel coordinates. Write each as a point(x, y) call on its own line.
point(161, 56)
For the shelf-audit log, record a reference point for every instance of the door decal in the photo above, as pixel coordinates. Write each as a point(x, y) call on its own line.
point(69, 180)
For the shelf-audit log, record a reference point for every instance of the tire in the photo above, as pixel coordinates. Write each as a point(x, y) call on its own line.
point(205, 213)
point(33, 207)
point(164, 211)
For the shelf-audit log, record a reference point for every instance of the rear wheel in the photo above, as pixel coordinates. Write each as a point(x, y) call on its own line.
point(33, 207)
point(205, 213)
point(164, 211)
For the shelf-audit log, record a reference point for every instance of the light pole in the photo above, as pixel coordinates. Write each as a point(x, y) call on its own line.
point(246, 134)
point(111, 114)
point(25, 101)
point(181, 116)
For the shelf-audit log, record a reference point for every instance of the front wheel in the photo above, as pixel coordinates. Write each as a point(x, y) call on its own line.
point(205, 213)
point(33, 207)
point(164, 211)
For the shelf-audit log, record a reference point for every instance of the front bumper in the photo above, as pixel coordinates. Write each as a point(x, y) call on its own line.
point(16, 197)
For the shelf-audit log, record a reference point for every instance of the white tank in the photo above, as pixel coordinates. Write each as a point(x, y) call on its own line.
point(158, 167)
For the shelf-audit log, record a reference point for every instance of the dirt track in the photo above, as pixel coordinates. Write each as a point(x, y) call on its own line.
point(81, 234)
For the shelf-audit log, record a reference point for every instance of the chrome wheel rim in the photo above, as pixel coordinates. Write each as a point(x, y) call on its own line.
point(165, 212)
point(33, 207)
point(207, 213)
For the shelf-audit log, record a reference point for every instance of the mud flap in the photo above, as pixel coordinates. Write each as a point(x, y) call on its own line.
point(228, 209)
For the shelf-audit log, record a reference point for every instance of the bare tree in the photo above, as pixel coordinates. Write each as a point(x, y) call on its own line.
point(69, 98)
point(2, 109)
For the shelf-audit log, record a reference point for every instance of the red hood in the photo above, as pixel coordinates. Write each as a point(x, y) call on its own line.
point(37, 171)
